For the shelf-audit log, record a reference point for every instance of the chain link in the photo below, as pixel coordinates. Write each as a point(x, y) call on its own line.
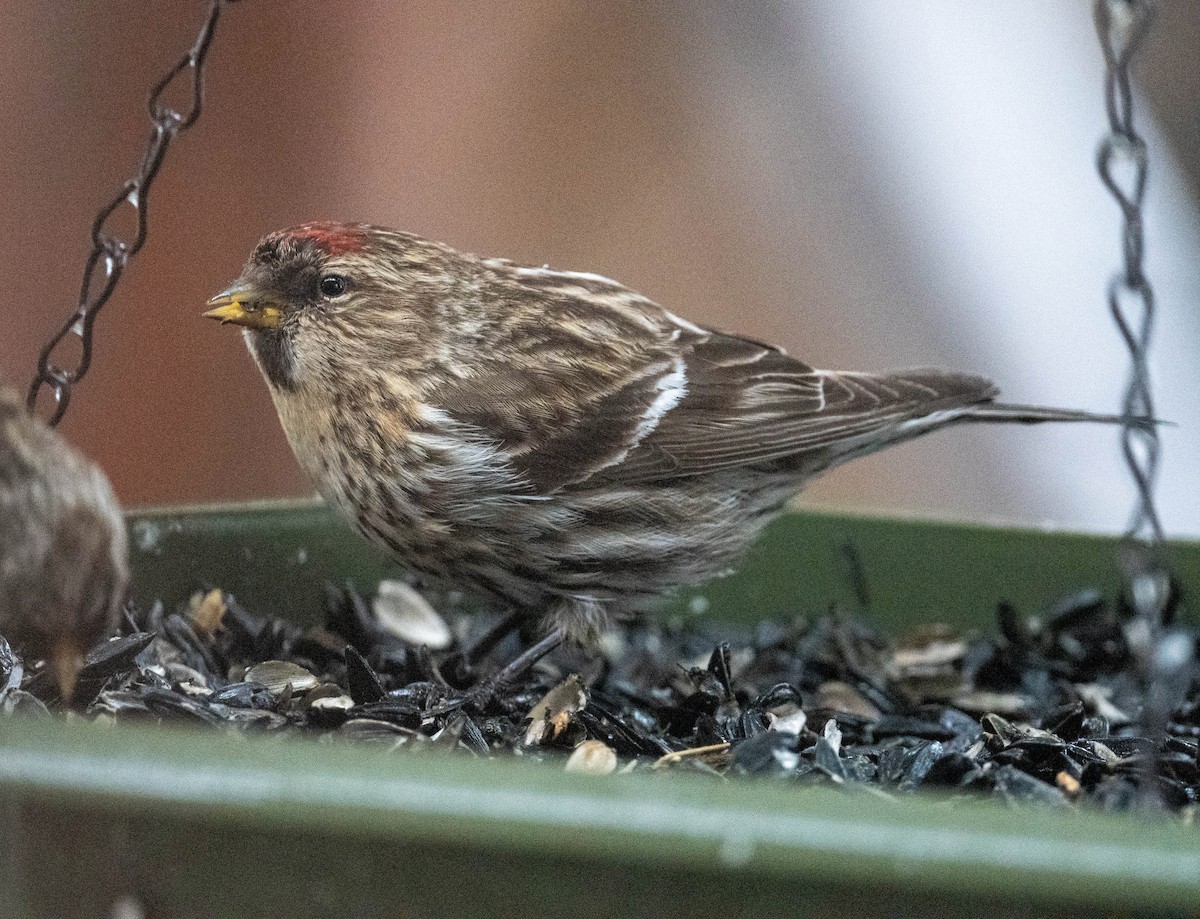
point(110, 253)
point(1122, 163)
point(1164, 656)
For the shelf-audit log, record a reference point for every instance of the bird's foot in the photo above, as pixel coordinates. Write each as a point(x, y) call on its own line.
point(479, 695)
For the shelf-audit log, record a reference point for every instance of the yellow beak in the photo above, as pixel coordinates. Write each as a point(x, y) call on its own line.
point(66, 660)
point(245, 306)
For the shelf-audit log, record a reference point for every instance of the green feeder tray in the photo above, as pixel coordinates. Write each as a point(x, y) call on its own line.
point(207, 824)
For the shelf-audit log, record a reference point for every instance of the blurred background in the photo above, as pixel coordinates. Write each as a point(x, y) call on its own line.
point(870, 184)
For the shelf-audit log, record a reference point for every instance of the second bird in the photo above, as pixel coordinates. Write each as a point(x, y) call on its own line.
point(551, 439)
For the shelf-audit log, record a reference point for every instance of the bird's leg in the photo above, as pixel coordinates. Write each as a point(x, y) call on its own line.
point(481, 693)
point(523, 661)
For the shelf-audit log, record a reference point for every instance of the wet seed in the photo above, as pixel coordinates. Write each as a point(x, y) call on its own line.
point(1040, 715)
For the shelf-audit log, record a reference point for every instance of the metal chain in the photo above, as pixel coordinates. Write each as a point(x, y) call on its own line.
point(1164, 656)
point(1122, 162)
point(110, 254)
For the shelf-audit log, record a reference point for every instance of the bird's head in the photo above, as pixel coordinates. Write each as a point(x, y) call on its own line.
point(323, 303)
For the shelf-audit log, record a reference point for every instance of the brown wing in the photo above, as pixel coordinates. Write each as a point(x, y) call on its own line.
point(553, 442)
point(711, 401)
point(751, 404)
point(609, 387)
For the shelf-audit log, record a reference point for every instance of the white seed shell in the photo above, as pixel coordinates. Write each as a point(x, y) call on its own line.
point(401, 611)
point(593, 757)
point(277, 675)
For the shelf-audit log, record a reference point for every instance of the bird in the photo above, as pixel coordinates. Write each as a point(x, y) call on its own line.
point(552, 441)
point(64, 565)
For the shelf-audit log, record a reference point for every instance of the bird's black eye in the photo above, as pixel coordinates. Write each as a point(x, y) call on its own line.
point(333, 285)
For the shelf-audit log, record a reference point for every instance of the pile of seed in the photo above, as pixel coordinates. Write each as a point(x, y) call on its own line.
point(1046, 711)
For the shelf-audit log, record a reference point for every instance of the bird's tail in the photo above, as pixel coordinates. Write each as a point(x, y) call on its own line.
point(1036, 414)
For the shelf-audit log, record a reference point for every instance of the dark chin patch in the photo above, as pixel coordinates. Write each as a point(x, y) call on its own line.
point(273, 352)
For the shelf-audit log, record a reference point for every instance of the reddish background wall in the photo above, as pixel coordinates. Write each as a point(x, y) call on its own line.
point(589, 136)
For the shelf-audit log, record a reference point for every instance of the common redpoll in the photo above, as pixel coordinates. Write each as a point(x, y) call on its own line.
point(64, 569)
point(551, 439)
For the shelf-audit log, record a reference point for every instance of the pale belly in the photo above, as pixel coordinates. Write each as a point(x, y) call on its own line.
point(438, 509)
